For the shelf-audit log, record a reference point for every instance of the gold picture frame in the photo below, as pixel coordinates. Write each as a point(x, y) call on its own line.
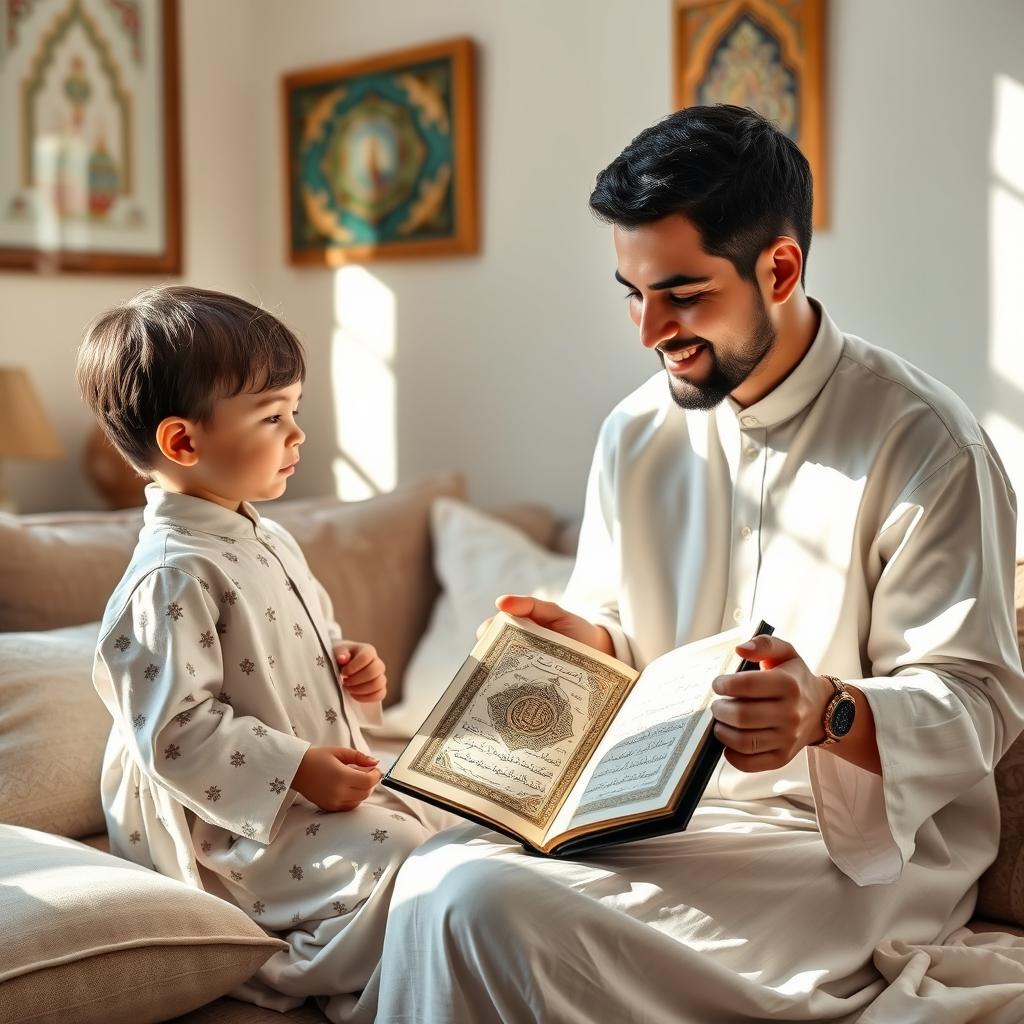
point(380, 157)
point(90, 177)
point(764, 54)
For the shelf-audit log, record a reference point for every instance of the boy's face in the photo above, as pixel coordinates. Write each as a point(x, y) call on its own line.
point(249, 448)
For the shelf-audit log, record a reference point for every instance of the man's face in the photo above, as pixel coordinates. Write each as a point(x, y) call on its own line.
point(247, 447)
point(708, 326)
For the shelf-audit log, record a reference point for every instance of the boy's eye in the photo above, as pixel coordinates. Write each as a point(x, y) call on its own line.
point(277, 417)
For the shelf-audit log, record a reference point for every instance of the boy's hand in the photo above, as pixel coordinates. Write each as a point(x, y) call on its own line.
point(336, 778)
point(362, 671)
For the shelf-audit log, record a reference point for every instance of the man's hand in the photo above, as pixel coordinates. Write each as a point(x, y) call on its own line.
point(336, 778)
point(765, 718)
point(552, 616)
point(362, 671)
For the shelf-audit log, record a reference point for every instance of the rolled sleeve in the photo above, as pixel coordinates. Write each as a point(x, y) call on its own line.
point(946, 689)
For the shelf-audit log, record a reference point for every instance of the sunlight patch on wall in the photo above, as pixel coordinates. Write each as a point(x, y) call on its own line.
point(1008, 137)
point(1006, 274)
point(1005, 421)
point(363, 384)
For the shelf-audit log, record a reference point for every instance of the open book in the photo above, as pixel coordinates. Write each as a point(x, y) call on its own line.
point(565, 748)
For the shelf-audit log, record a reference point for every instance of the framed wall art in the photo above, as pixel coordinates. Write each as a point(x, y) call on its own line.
point(90, 176)
point(381, 157)
point(764, 54)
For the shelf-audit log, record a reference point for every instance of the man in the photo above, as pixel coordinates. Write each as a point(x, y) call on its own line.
point(773, 468)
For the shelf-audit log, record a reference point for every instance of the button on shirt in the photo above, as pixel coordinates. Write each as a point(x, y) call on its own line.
point(860, 509)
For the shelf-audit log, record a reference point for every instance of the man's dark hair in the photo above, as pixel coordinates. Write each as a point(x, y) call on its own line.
point(729, 170)
point(174, 351)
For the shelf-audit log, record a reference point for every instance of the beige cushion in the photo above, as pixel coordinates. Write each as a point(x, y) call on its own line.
point(59, 569)
point(53, 728)
point(373, 558)
point(91, 938)
point(1001, 890)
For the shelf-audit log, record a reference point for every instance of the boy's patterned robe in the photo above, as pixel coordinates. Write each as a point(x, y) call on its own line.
point(215, 659)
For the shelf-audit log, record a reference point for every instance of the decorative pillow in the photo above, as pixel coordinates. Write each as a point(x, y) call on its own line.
point(1001, 890)
point(91, 938)
point(53, 728)
point(373, 558)
point(476, 558)
point(59, 569)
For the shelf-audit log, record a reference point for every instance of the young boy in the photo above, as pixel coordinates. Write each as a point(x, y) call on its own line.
point(236, 762)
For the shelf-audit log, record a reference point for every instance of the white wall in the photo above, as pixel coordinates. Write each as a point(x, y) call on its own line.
point(42, 318)
point(503, 364)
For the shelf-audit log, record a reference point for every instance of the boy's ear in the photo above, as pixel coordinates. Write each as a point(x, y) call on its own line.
point(174, 438)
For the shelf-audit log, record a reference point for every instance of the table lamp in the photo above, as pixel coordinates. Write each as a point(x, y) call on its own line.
point(25, 429)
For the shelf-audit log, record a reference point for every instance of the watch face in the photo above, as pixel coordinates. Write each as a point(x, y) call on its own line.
point(842, 716)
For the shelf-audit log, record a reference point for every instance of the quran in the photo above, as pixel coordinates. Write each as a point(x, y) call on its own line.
point(566, 749)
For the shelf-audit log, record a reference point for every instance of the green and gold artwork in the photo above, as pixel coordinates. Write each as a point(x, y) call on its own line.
point(377, 161)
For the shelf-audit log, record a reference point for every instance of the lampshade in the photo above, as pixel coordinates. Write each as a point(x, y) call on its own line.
point(25, 429)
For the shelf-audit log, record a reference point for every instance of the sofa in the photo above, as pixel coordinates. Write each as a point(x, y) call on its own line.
point(91, 937)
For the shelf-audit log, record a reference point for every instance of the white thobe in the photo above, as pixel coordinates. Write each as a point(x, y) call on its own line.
point(215, 659)
point(861, 510)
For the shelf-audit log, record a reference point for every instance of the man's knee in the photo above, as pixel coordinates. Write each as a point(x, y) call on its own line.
point(463, 893)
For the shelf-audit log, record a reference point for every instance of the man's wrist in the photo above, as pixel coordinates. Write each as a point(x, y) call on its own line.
point(826, 692)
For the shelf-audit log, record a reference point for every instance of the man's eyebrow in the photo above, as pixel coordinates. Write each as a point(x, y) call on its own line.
point(675, 281)
point(270, 399)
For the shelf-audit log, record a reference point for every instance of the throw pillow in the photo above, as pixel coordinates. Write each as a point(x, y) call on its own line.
point(53, 729)
point(93, 939)
point(476, 558)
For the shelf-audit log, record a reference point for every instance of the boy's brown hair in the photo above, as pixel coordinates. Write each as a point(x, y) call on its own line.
point(174, 351)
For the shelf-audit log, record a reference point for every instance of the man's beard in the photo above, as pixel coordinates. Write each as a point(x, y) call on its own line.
point(728, 372)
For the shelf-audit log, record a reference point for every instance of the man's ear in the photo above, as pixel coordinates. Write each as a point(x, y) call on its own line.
point(779, 268)
point(175, 438)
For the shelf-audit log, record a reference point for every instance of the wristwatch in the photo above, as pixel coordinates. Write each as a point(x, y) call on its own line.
point(839, 714)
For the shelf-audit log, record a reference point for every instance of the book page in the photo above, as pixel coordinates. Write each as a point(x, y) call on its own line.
point(647, 749)
point(517, 725)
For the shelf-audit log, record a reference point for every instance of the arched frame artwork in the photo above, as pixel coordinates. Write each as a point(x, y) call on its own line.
point(381, 157)
point(764, 54)
point(90, 164)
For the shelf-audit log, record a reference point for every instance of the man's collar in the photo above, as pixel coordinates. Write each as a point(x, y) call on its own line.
point(183, 510)
point(801, 387)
